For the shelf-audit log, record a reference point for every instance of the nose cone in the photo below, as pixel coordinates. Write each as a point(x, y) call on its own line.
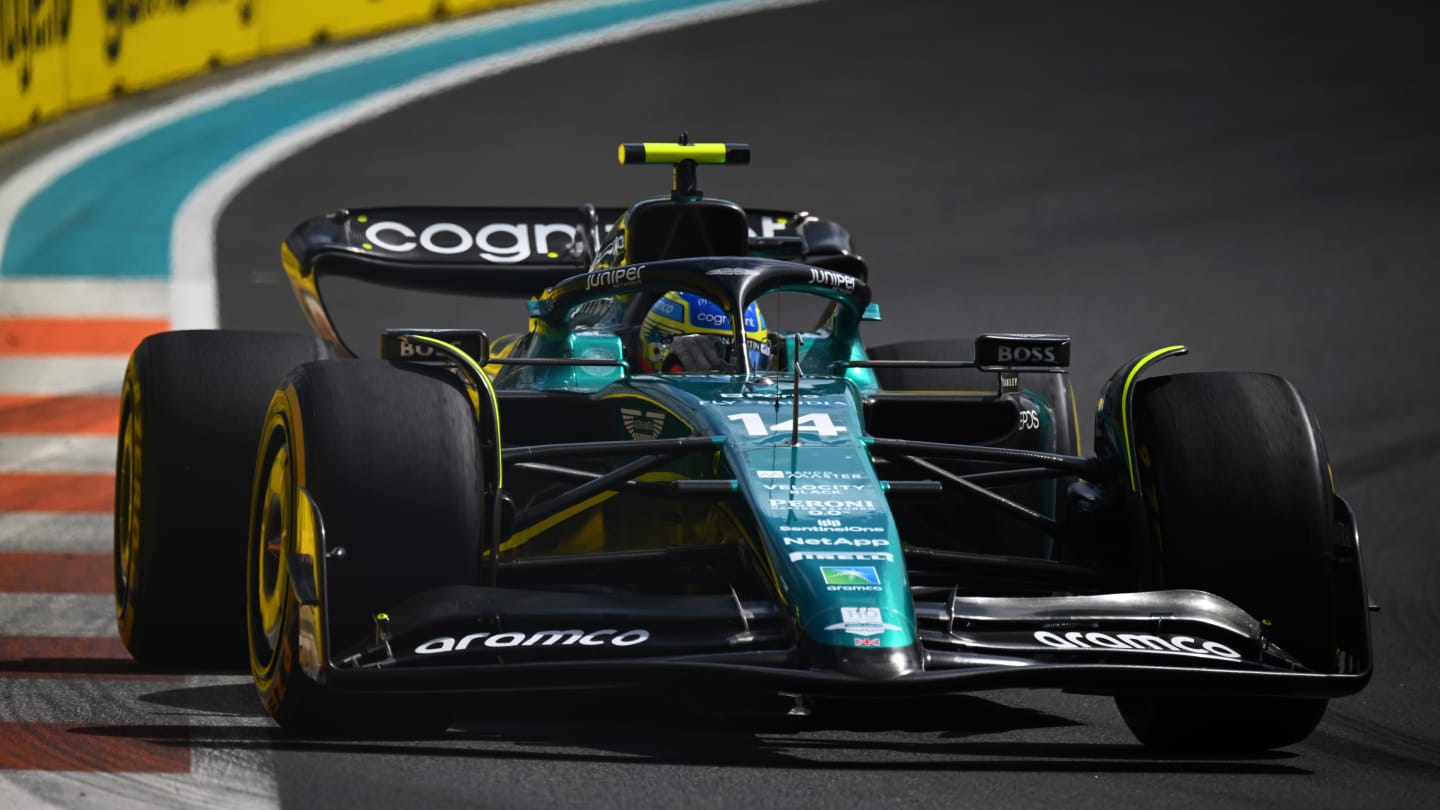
point(870, 642)
point(866, 663)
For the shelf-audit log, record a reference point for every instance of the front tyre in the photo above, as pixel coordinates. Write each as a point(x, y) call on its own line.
point(190, 410)
point(1239, 503)
point(389, 456)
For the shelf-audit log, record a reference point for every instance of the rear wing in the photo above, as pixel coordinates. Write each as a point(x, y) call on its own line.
point(502, 252)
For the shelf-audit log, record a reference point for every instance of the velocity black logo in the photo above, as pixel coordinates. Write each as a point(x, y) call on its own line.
point(122, 15)
point(28, 27)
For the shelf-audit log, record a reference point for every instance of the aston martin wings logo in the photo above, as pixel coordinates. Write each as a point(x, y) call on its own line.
point(643, 424)
point(862, 621)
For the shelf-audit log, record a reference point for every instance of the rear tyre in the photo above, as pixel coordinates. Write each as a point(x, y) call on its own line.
point(389, 455)
point(1239, 503)
point(191, 407)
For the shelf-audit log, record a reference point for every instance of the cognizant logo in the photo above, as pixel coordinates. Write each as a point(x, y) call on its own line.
point(499, 242)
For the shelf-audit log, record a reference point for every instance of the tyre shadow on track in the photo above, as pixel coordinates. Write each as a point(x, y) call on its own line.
point(750, 731)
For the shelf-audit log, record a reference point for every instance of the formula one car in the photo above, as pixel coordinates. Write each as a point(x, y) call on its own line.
point(811, 516)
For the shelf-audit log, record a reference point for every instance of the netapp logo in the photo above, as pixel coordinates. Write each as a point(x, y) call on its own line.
point(836, 541)
point(543, 638)
point(1025, 354)
point(1136, 642)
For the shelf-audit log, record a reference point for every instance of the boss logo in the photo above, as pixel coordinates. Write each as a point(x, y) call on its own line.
point(411, 344)
point(416, 350)
point(1022, 350)
point(1025, 354)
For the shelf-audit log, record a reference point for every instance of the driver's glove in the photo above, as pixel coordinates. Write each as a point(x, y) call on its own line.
point(695, 353)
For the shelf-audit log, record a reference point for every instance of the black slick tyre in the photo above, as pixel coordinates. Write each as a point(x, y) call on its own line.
point(191, 410)
point(389, 456)
point(1239, 503)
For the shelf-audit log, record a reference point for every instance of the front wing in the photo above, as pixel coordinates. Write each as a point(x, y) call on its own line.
point(475, 639)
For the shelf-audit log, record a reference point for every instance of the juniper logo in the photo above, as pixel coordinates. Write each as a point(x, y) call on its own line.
point(618, 277)
point(830, 278)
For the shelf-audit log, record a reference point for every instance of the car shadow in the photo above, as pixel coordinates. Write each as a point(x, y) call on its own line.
point(736, 730)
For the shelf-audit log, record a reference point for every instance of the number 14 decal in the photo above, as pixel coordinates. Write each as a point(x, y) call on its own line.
point(818, 423)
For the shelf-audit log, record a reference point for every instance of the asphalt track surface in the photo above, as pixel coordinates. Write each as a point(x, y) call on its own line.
point(1257, 181)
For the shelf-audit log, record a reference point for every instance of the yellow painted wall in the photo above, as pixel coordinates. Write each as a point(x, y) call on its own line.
point(33, 43)
point(288, 24)
point(56, 55)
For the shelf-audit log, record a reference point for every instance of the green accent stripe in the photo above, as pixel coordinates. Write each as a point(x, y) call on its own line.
point(477, 372)
point(1125, 406)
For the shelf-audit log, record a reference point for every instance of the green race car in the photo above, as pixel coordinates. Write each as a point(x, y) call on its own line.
point(648, 487)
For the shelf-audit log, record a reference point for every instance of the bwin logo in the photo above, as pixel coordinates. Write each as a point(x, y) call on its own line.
point(1025, 354)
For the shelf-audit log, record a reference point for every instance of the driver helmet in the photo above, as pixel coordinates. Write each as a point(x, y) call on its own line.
point(685, 313)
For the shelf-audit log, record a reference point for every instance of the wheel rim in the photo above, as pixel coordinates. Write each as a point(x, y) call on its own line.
point(127, 506)
point(274, 524)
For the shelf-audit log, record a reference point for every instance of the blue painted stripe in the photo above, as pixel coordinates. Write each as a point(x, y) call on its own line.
point(112, 214)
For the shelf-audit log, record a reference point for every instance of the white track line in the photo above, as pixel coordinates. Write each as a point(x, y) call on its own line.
point(57, 453)
point(56, 531)
point(63, 376)
point(222, 775)
point(215, 782)
point(84, 297)
point(68, 615)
